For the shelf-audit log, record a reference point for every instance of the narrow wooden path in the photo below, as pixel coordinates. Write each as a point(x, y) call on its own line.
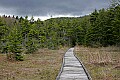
point(72, 68)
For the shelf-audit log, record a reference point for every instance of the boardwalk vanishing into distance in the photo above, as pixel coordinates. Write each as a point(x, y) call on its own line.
point(72, 68)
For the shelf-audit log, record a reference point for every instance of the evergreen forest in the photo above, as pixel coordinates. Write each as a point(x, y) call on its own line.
point(19, 35)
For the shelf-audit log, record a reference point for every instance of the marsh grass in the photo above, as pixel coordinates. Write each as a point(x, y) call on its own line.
point(102, 63)
point(41, 65)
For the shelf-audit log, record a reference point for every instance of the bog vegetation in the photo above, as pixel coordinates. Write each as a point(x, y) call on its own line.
point(19, 35)
point(102, 63)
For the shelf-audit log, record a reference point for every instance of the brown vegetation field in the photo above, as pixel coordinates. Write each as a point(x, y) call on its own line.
point(102, 63)
point(41, 65)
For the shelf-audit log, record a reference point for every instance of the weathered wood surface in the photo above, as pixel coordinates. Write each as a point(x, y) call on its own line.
point(72, 69)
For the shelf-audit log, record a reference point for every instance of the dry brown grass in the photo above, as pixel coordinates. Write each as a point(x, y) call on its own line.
point(102, 63)
point(42, 65)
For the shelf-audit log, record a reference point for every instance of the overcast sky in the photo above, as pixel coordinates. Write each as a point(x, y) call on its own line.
point(45, 8)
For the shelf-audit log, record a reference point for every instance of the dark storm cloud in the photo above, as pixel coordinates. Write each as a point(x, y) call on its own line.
point(51, 7)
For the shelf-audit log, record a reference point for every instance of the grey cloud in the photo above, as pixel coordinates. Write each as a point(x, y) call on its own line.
point(44, 7)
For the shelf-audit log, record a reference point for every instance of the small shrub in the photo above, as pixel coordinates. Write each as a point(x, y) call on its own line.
point(19, 57)
point(13, 57)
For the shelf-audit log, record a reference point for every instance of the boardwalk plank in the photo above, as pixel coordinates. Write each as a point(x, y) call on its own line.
point(72, 69)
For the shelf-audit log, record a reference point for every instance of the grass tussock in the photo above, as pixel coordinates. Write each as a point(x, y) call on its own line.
point(102, 63)
point(41, 65)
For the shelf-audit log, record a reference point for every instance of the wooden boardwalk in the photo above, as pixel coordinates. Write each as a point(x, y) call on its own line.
point(72, 68)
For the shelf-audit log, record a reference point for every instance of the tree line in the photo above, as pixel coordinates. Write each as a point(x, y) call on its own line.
point(19, 35)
